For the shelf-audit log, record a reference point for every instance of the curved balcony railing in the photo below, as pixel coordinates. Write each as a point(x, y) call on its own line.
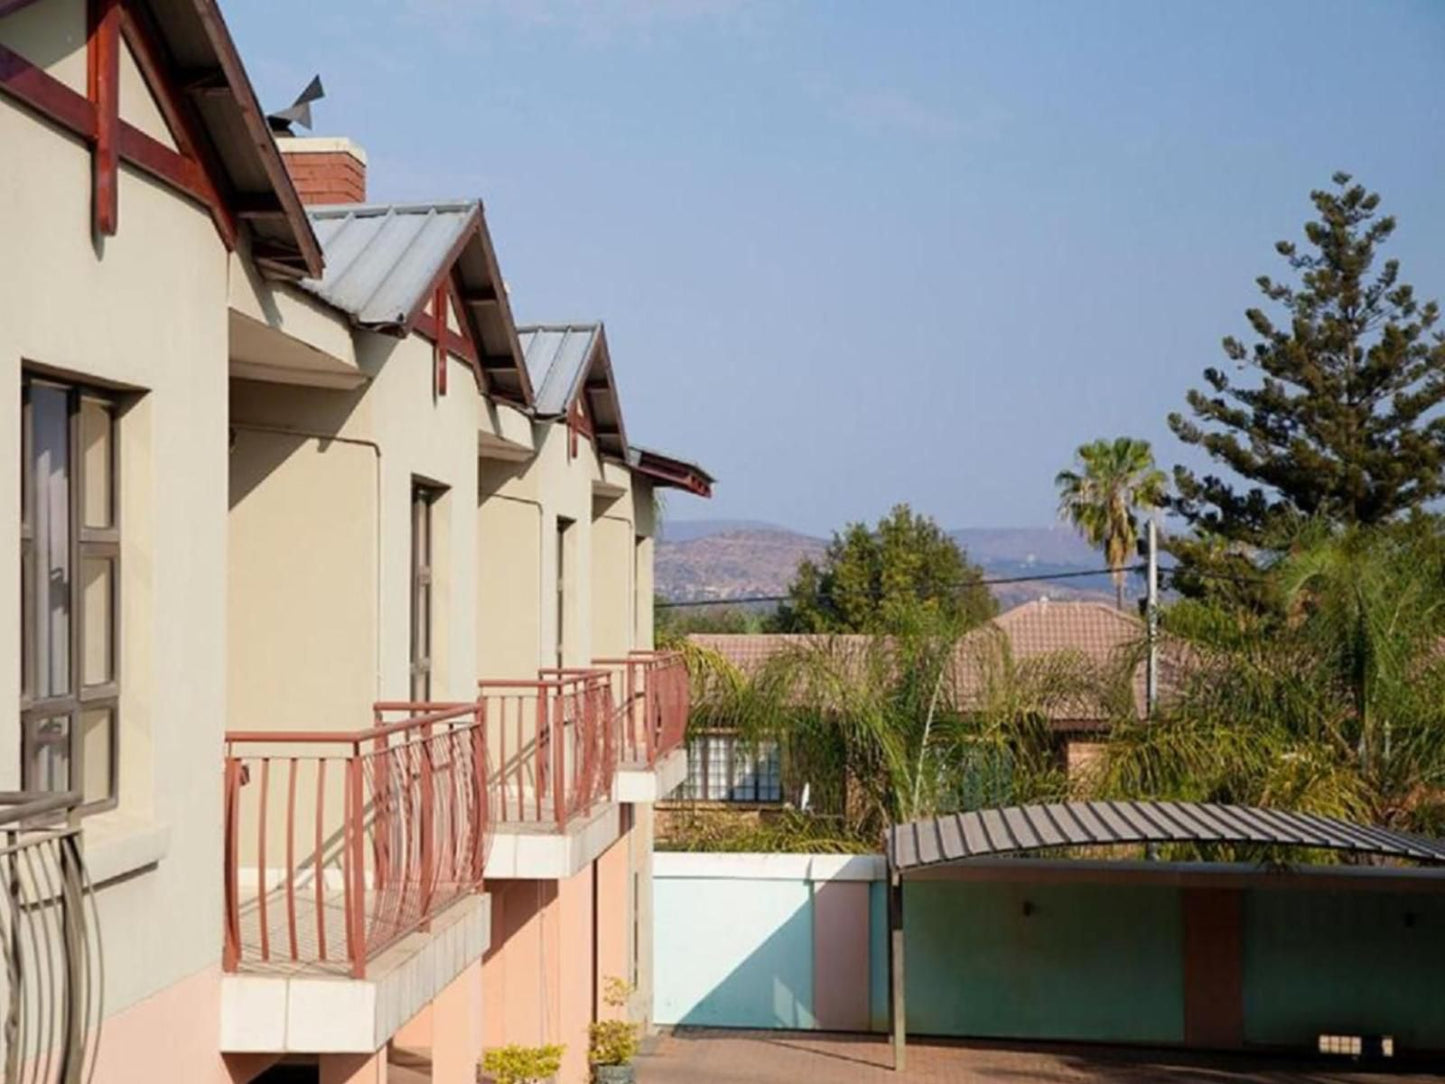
point(556, 740)
point(655, 694)
point(50, 940)
point(339, 844)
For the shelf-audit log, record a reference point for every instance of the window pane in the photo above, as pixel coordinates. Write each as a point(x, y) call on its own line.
point(27, 618)
point(97, 739)
point(770, 776)
point(745, 776)
point(50, 755)
point(97, 607)
point(96, 436)
point(50, 477)
point(719, 767)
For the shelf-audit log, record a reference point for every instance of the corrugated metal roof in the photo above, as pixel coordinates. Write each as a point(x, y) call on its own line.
point(556, 356)
point(381, 259)
point(958, 837)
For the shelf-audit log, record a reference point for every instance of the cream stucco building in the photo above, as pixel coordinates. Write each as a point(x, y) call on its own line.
point(332, 579)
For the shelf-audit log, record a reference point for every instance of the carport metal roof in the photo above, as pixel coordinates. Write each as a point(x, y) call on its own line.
point(957, 837)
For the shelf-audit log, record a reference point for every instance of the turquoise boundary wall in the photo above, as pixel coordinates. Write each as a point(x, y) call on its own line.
point(1347, 963)
point(737, 944)
point(1112, 966)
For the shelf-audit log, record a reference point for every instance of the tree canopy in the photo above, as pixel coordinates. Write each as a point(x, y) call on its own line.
point(873, 579)
point(1340, 423)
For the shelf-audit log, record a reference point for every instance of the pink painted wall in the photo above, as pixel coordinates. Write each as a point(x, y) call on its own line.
point(614, 918)
point(574, 898)
point(519, 985)
point(175, 1031)
point(840, 955)
point(450, 1029)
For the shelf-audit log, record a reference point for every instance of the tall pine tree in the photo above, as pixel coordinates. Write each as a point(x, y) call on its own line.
point(1342, 423)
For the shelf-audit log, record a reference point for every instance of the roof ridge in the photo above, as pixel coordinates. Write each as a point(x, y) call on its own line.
point(368, 210)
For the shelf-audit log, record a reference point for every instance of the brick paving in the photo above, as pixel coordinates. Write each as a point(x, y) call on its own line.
point(707, 1056)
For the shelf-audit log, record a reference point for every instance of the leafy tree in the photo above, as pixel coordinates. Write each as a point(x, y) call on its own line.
point(1116, 480)
point(1337, 707)
point(1342, 423)
point(871, 580)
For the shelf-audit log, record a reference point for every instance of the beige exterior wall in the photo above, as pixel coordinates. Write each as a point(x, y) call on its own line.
point(321, 527)
point(145, 309)
point(608, 608)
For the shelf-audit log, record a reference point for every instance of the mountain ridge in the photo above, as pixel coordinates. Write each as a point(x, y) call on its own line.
point(707, 560)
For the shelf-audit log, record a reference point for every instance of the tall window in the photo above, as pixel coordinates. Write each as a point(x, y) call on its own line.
point(423, 499)
point(563, 527)
point(69, 591)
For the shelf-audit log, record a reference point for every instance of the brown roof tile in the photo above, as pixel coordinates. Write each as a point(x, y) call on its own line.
point(1096, 631)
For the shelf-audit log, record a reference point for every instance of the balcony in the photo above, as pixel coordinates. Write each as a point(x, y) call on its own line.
point(353, 876)
point(556, 739)
point(50, 940)
point(654, 699)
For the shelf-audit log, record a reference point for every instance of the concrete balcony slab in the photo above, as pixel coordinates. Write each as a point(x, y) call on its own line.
point(640, 784)
point(299, 1011)
point(537, 850)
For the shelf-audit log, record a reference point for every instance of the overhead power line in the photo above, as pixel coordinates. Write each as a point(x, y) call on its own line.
point(753, 599)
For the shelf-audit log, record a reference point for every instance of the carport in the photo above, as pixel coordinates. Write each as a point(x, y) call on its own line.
point(985, 846)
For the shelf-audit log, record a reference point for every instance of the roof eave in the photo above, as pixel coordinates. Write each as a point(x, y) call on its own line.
point(307, 259)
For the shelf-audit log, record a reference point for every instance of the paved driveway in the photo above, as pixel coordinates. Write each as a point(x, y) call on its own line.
point(705, 1056)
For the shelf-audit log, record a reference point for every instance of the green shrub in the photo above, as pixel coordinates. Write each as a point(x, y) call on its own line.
point(522, 1064)
point(613, 1042)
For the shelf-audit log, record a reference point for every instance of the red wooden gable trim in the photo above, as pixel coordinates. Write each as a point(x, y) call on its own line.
point(95, 117)
point(431, 324)
point(46, 95)
point(579, 424)
point(103, 58)
point(198, 180)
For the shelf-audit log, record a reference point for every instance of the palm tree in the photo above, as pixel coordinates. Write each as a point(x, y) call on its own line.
point(1116, 481)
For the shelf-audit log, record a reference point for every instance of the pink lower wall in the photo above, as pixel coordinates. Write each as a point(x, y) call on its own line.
point(518, 986)
point(614, 919)
point(450, 1029)
point(575, 972)
point(173, 1035)
point(840, 955)
point(548, 950)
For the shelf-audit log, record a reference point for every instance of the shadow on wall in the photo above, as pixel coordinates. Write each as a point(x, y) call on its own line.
point(741, 957)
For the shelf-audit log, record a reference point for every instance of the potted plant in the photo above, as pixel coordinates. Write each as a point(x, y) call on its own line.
point(522, 1064)
point(612, 1044)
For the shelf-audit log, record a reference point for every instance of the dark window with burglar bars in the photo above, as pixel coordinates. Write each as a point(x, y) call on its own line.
point(69, 590)
point(727, 768)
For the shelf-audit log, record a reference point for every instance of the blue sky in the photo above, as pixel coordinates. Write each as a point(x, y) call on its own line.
point(855, 253)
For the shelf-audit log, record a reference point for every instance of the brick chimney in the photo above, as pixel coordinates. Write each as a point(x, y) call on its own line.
point(325, 170)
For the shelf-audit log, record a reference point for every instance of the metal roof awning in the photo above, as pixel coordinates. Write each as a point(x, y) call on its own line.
point(958, 837)
point(977, 838)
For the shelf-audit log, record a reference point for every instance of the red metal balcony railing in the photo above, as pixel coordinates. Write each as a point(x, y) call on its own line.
point(556, 742)
point(50, 943)
point(339, 844)
point(655, 697)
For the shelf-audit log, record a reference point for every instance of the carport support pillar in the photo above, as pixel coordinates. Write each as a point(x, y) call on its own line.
point(897, 1017)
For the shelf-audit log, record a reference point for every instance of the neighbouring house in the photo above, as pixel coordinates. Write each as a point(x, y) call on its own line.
point(335, 598)
point(726, 773)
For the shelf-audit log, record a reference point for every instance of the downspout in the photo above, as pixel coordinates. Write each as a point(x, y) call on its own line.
point(541, 547)
point(631, 607)
point(309, 434)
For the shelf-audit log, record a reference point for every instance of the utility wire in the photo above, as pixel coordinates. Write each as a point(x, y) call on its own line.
point(984, 583)
point(1171, 571)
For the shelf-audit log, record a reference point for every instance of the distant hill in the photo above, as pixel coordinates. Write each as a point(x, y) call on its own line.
point(724, 559)
point(731, 563)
